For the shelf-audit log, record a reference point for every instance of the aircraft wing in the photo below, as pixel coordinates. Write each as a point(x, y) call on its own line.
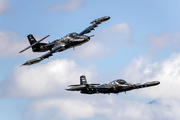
point(102, 87)
point(79, 87)
point(147, 84)
point(47, 55)
point(94, 23)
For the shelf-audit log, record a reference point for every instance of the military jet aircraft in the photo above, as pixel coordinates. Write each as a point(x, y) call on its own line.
point(115, 86)
point(69, 41)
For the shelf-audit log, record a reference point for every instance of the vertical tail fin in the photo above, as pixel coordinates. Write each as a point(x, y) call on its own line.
point(83, 80)
point(31, 39)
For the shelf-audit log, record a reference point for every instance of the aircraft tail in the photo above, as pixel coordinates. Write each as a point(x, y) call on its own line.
point(36, 45)
point(31, 39)
point(83, 80)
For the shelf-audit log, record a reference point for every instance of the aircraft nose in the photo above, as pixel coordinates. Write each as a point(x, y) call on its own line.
point(86, 38)
point(156, 82)
point(107, 17)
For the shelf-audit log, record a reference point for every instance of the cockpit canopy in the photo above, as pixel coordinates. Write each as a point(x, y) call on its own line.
point(73, 35)
point(69, 36)
point(119, 81)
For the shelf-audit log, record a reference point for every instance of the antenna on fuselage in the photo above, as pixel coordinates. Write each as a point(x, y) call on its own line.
point(58, 35)
point(108, 79)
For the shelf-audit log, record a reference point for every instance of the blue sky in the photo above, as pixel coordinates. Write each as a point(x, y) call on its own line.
point(140, 43)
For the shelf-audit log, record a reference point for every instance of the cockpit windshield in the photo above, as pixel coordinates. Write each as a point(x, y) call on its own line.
point(73, 35)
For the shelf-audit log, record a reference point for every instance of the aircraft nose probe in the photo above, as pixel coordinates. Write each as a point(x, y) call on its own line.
point(90, 37)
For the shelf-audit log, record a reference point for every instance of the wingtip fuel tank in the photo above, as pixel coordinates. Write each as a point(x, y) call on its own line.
point(102, 19)
point(33, 61)
point(153, 83)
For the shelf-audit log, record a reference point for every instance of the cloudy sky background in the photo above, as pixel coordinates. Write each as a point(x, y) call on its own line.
point(140, 43)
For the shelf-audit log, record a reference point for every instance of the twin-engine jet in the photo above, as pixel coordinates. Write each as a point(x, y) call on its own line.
point(69, 41)
point(115, 86)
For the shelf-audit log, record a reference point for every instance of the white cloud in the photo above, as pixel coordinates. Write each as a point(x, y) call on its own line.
point(133, 72)
point(90, 107)
point(11, 43)
point(164, 40)
point(70, 6)
point(49, 81)
point(64, 108)
point(3, 6)
point(44, 80)
point(10, 46)
point(104, 42)
point(167, 72)
point(45, 85)
point(121, 33)
point(92, 50)
point(121, 28)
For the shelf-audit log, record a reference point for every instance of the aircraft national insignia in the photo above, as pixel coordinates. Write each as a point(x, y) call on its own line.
point(83, 80)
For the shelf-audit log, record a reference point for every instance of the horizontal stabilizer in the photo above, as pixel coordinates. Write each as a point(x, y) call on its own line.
point(34, 44)
point(76, 87)
point(83, 84)
point(80, 87)
point(94, 84)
